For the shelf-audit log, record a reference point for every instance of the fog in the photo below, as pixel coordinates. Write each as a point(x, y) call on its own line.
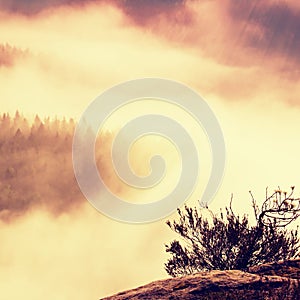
point(56, 57)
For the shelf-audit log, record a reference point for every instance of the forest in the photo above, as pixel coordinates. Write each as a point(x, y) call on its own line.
point(36, 166)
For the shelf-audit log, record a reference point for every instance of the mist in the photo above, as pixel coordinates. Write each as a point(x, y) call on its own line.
point(57, 56)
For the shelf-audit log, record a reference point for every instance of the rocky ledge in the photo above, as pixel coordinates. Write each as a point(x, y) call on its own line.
point(267, 281)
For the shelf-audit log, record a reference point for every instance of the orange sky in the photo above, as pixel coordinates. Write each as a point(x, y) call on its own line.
point(57, 56)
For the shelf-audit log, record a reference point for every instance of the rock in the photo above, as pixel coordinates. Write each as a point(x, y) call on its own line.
point(267, 281)
point(290, 269)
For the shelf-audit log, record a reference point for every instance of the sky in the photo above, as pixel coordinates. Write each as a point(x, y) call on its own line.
point(57, 56)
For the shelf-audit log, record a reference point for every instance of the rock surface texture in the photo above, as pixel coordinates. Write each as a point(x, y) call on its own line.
point(268, 281)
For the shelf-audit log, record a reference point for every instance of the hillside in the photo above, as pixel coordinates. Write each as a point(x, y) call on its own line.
point(267, 281)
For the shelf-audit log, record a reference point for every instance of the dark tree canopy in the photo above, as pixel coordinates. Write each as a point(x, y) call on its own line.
point(230, 241)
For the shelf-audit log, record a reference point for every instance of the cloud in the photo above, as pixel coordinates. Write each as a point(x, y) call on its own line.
point(272, 28)
point(143, 11)
point(103, 44)
point(139, 10)
point(236, 33)
point(32, 7)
